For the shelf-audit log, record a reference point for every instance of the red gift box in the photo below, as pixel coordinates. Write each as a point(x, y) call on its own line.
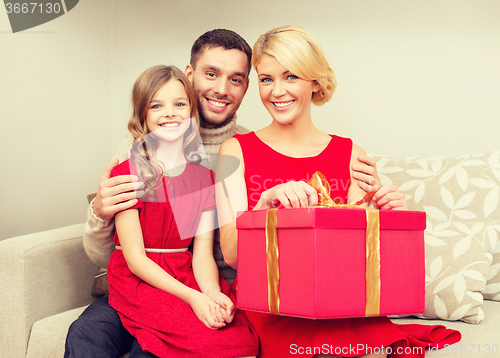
point(322, 262)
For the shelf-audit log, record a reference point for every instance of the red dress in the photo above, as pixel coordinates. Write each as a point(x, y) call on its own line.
point(162, 323)
point(282, 336)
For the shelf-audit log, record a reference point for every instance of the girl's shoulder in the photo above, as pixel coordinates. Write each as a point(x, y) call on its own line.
point(124, 168)
point(200, 173)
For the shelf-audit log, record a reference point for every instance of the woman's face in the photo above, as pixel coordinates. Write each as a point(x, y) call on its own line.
point(285, 96)
point(169, 112)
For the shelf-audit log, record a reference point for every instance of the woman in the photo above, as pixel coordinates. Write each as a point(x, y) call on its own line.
point(275, 165)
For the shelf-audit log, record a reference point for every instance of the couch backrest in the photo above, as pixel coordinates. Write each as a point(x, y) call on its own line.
point(448, 188)
point(461, 196)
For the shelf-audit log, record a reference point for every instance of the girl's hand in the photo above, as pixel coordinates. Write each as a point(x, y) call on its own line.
point(227, 306)
point(207, 311)
point(389, 197)
point(293, 194)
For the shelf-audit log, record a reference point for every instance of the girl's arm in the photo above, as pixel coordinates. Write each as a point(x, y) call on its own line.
point(204, 266)
point(205, 269)
point(129, 231)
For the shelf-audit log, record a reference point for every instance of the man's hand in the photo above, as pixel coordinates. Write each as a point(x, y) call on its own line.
point(366, 173)
point(116, 194)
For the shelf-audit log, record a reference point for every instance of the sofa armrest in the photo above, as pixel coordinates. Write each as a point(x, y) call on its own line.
point(42, 274)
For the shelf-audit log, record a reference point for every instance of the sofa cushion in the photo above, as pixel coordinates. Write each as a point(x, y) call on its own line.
point(48, 335)
point(457, 261)
point(492, 290)
point(464, 188)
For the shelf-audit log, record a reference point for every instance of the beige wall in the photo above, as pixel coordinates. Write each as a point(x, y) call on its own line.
point(55, 90)
point(414, 78)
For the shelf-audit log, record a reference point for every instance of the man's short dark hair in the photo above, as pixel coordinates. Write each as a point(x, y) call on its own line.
point(227, 39)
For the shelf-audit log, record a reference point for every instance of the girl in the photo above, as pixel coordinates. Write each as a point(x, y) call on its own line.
point(276, 162)
point(173, 301)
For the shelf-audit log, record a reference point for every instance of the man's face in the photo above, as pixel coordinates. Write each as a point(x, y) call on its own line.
point(220, 81)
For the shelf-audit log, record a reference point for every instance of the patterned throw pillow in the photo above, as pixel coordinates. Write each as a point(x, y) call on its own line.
point(457, 260)
point(463, 193)
point(492, 291)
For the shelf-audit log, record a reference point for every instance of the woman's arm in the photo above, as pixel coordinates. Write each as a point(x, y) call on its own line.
point(231, 197)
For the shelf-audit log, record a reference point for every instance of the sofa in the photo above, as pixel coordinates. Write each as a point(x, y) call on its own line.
point(48, 278)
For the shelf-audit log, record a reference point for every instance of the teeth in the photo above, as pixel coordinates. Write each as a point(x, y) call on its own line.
point(217, 104)
point(282, 104)
point(170, 124)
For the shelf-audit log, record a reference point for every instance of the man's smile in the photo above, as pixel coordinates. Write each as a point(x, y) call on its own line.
point(217, 105)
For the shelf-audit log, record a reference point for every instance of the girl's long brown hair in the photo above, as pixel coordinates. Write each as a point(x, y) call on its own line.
point(142, 154)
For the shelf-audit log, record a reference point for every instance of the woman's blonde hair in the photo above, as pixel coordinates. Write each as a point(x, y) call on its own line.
point(298, 51)
point(149, 169)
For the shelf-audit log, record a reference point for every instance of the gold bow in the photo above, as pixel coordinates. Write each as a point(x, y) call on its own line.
point(319, 182)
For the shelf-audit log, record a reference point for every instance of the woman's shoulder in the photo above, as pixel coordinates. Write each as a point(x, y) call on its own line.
point(242, 136)
point(355, 153)
point(340, 139)
point(339, 144)
point(233, 145)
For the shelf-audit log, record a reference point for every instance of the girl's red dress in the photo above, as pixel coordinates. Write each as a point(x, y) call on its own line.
point(163, 324)
point(282, 336)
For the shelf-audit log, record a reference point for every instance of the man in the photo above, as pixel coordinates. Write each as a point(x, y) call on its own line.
point(219, 71)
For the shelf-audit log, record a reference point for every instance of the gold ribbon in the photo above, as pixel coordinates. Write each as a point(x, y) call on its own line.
point(372, 307)
point(272, 252)
point(319, 182)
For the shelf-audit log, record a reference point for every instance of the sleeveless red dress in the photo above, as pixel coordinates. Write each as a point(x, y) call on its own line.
point(163, 324)
point(282, 336)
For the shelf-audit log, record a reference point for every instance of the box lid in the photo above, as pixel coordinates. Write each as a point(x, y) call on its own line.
point(340, 218)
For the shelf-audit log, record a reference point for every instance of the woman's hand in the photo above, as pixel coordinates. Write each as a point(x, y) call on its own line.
point(389, 197)
point(207, 311)
point(293, 194)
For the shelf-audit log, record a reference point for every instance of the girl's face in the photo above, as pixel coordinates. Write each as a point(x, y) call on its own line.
point(285, 96)
point(169, 112)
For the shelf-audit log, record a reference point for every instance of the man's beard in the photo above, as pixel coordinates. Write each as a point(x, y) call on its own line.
point(206, 121)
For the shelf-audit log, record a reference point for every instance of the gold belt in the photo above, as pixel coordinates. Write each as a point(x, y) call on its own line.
point(159, 250)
